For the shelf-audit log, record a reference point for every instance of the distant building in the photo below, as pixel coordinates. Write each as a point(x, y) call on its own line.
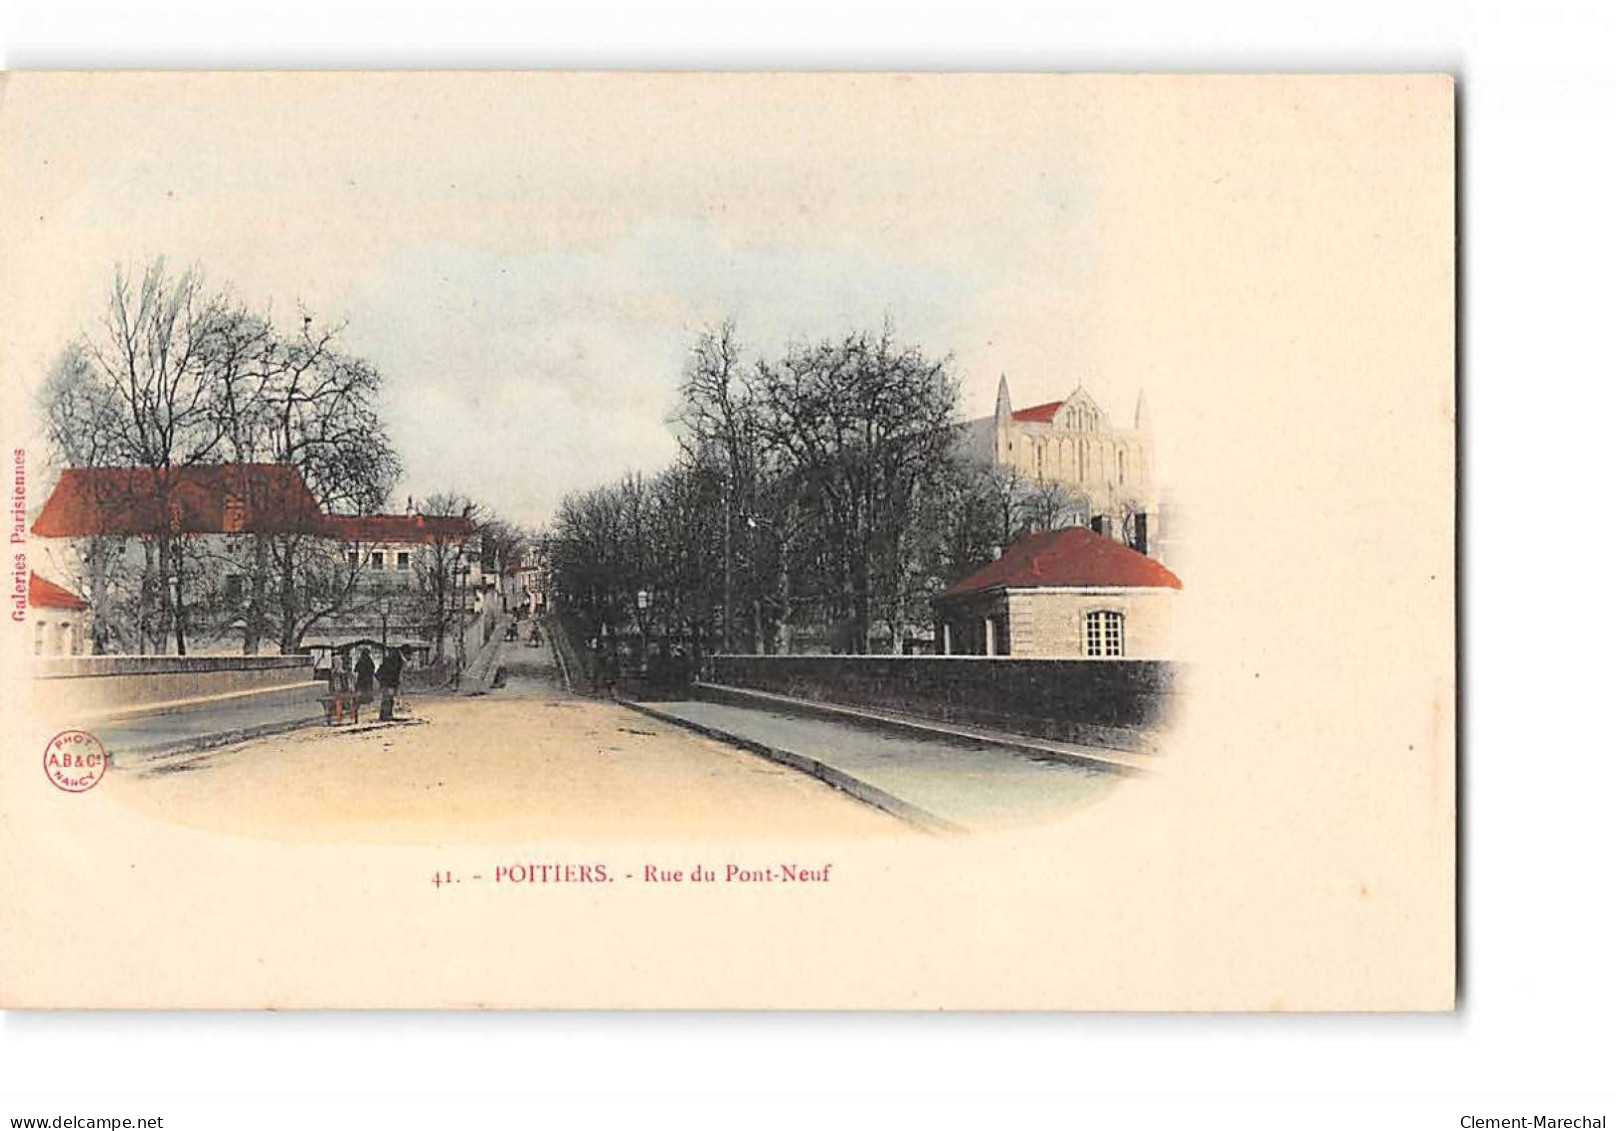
point(1061, 594)
point(398, 559)
point(361, 575)
point(59, 619)
point(1108, 471)
point(530, 580)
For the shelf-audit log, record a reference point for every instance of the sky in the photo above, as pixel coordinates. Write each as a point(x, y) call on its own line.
point(528, 259)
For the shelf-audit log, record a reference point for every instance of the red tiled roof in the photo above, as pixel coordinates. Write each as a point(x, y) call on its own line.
point(1038, 413)
point(1072, 556)
point(208, 499)
point(44, 594)
point(398, 527)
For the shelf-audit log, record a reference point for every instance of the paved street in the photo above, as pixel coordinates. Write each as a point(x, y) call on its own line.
point(523, 762)
point(528, 759)
point(131, 738)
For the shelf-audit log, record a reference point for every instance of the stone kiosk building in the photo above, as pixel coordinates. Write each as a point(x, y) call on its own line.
point(1061, 594)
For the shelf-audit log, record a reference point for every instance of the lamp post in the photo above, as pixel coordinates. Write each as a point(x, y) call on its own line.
point(462, 577)
point(642, 601)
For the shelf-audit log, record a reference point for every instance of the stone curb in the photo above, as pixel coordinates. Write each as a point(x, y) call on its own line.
point(856, 788)
point(140, 757)
point(129, 757)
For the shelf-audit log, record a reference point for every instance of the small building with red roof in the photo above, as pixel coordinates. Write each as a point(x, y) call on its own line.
point(58, 618)
point(1070, 593)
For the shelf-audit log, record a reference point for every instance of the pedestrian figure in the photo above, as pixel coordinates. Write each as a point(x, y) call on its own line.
point(365, 673)
point(389, 675)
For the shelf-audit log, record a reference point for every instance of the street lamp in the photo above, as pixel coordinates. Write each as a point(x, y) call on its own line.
point(462, 574)
point(642, 601)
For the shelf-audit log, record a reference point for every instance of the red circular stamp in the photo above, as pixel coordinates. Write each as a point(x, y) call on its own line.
point(75, 761)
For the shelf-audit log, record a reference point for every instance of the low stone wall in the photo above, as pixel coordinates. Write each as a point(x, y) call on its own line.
point(106, 684)
point(1121, 703)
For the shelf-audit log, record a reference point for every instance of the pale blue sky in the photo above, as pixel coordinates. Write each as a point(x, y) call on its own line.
point(528, 260)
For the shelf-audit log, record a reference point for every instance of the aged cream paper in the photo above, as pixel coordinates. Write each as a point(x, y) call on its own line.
point(526, 259)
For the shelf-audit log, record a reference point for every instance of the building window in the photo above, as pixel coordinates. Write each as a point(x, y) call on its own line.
point(232, 588)
point(1122, 467)
point(1102, 631)
point(235, 515)
point(39, 638)
point(376, 560)
point(403, 560)
point(353, 558)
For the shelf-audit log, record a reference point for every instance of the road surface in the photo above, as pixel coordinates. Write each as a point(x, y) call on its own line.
point(526, 762)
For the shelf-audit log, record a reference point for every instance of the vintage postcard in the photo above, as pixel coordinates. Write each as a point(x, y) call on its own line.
point(728, 541)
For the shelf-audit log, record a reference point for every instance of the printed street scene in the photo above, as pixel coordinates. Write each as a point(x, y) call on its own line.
point(667, 525)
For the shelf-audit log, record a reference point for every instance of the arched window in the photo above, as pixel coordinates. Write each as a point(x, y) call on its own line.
point(1102, 633)
point(1122, 466)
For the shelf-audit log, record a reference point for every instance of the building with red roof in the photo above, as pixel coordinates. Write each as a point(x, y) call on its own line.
point(1071, 593)
point(258, 498)
point(102, 522)
point(58, 618)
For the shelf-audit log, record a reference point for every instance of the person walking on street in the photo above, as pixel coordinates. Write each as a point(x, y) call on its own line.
point(365, 676)
point(389, 675)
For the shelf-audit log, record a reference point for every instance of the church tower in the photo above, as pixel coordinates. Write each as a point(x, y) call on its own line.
point(1001, 422)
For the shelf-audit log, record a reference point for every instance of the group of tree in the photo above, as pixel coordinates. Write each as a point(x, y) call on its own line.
point(176, 376)
point(820, 499)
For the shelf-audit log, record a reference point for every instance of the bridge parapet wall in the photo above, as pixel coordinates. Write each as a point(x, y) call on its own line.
point(1122, 703)
point(81, 685)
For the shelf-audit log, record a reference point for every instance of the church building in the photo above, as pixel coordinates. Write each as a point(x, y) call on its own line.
point(1106, 470)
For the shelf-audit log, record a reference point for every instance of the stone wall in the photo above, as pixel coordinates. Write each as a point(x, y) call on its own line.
point(1121, 703)
point(1048, 623)
point(79, 685)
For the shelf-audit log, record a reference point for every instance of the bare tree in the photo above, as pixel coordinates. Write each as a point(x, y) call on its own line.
point(151, 351)
point(178, 376)
point(1046, 505)
point(866, 426)
point(441, 564)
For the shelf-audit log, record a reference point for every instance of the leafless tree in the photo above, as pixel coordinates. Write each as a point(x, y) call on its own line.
point(178, 375)
point(1047, 505)
point(441, 565)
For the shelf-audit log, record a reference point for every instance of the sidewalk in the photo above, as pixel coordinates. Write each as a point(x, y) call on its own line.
point(937, 781)
point(484, 664)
